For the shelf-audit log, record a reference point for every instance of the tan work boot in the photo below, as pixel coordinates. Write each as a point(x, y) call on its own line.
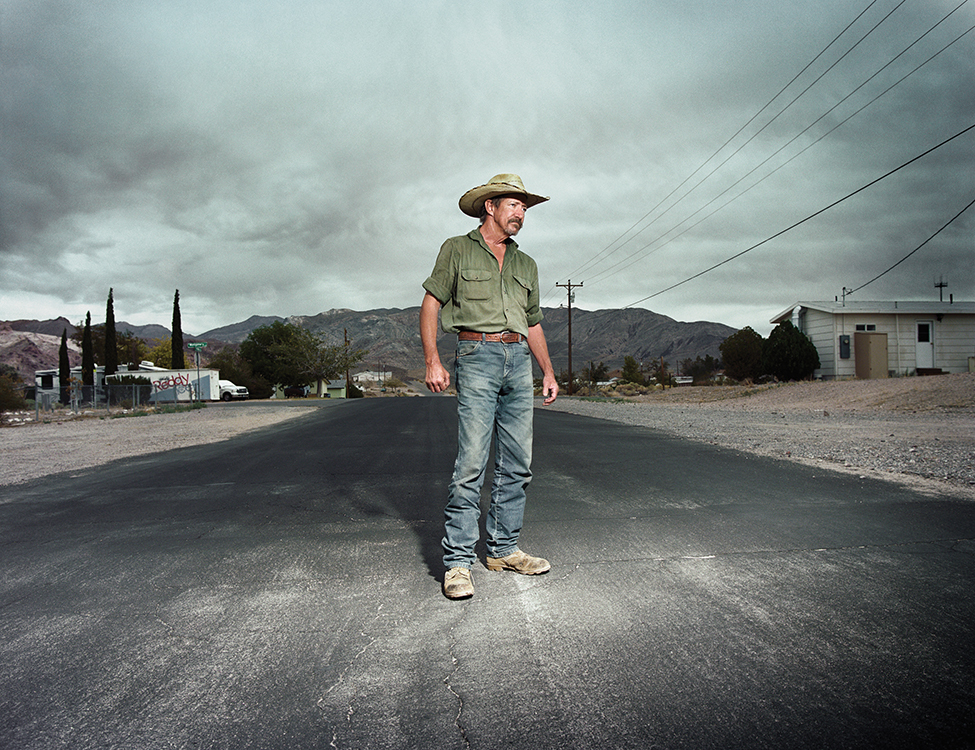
point(458, 584)
point(519, 562)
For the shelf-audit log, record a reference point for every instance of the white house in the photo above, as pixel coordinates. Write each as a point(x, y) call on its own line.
point(881, 339)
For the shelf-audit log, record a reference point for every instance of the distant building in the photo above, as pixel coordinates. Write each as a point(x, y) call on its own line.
point(884, 339)
point(164, 385)
point(48, 386)
point(318, 389)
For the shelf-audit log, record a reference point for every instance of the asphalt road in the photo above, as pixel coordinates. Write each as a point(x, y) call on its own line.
point(282, 590)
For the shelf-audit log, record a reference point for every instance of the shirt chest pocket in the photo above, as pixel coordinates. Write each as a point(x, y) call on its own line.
point(520, 289)
point(475, 284)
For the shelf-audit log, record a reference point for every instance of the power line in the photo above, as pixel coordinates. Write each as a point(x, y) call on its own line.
point(753, 136)
point(735, 135)
point(803, 221)
point(970, 204)
point(633, 256)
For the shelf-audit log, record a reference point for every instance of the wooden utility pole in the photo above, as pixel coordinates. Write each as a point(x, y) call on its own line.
point(569, 286)
point(348, 377)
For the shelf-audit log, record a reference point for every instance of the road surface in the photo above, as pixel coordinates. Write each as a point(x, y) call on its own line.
point(282, 589)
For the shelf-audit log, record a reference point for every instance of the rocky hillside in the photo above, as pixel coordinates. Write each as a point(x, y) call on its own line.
point(392, 337)
point(237, 332)
point(27, 351)
point(610, 335)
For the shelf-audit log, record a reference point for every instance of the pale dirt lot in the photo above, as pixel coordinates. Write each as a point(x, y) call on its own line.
point(63, 442)
point(941, 394)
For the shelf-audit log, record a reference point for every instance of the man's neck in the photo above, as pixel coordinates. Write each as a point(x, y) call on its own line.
point(494, 235)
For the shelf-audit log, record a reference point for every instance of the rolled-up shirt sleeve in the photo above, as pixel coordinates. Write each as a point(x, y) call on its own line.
point(440, 283)
point(532, 311)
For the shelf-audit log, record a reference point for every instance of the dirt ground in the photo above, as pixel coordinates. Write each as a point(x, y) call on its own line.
point(950, 393)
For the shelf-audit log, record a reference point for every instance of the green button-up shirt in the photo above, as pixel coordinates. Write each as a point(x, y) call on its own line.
point(476, 296)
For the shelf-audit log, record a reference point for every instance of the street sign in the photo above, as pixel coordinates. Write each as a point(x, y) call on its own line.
point(197, 345)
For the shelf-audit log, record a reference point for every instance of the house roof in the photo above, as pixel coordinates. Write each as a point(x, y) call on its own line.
point(880, 308)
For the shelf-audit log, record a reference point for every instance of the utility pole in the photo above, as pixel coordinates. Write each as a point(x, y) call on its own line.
point(569, 286)
point(348, 377)
point(940, 286)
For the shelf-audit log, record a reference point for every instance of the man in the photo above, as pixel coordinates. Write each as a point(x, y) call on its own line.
point(486, 291)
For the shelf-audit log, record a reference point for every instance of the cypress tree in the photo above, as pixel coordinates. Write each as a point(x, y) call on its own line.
point(87, 361)
point(64, 369)
point(179, 363)
point(111, 345)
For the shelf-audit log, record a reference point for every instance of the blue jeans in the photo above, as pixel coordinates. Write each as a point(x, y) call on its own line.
point(495, 399)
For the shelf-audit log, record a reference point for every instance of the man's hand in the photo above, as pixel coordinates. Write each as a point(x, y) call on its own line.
point(536, 342)
point(438, 379)
point(550, 389)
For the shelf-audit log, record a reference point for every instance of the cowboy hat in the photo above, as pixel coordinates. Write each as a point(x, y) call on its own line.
point(472, 201)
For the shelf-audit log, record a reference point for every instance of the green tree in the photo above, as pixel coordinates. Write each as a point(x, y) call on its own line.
point(742, 355)
point(317, 360)
point(111, 342)
point(269, 350)
point(702, 370)
point(232, 366)
point(789, 354)
point(64, 369)
point(178, 360)
point(87, 360)
point(289, 355)
point(11, 390)
point(595, 373)
point(131, 349)
point(631, 371)
point(160, 353)
point(660, 371)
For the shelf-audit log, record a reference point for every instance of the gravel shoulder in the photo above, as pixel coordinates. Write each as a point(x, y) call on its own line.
point(917, 431)
point(70, 443)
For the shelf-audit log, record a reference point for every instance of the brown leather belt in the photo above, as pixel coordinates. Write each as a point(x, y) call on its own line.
point(506, 337)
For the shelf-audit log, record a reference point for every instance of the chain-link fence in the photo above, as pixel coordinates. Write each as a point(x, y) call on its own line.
point(108, 396)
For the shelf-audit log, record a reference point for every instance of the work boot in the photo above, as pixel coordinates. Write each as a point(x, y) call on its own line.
point(458, 584)
point(519, 562)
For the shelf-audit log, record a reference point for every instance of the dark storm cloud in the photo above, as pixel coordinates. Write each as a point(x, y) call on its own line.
point(269, 159)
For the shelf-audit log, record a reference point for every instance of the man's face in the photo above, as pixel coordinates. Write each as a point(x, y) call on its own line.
point(509, 213)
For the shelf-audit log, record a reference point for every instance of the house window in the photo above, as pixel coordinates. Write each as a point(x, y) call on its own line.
point(47, 381)
point(866, 327)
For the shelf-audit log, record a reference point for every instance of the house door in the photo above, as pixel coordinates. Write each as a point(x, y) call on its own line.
point(925, 344)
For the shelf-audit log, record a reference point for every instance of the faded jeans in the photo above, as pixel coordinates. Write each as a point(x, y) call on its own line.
point(495, 399)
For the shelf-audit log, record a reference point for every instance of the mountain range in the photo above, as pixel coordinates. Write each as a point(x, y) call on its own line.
point(392, 337)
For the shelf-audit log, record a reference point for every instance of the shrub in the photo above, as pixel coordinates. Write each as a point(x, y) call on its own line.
point(742, 355)
point(789, 354)
point(11, 395)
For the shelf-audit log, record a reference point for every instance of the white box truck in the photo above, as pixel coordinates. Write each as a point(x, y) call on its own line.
point(171, 386)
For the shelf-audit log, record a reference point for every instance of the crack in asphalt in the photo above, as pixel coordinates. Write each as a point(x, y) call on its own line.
point(322, 703)
point(460, 700)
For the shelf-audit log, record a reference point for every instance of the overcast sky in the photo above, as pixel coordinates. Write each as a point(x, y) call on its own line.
point(277, 158)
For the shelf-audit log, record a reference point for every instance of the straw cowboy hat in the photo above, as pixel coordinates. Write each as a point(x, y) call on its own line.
point(472, 201)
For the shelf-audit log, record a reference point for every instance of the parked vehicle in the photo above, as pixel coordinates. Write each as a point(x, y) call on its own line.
point(230, 391)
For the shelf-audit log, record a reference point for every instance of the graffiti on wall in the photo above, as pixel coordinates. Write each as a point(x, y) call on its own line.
point(176, 386)
point(180, 382)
